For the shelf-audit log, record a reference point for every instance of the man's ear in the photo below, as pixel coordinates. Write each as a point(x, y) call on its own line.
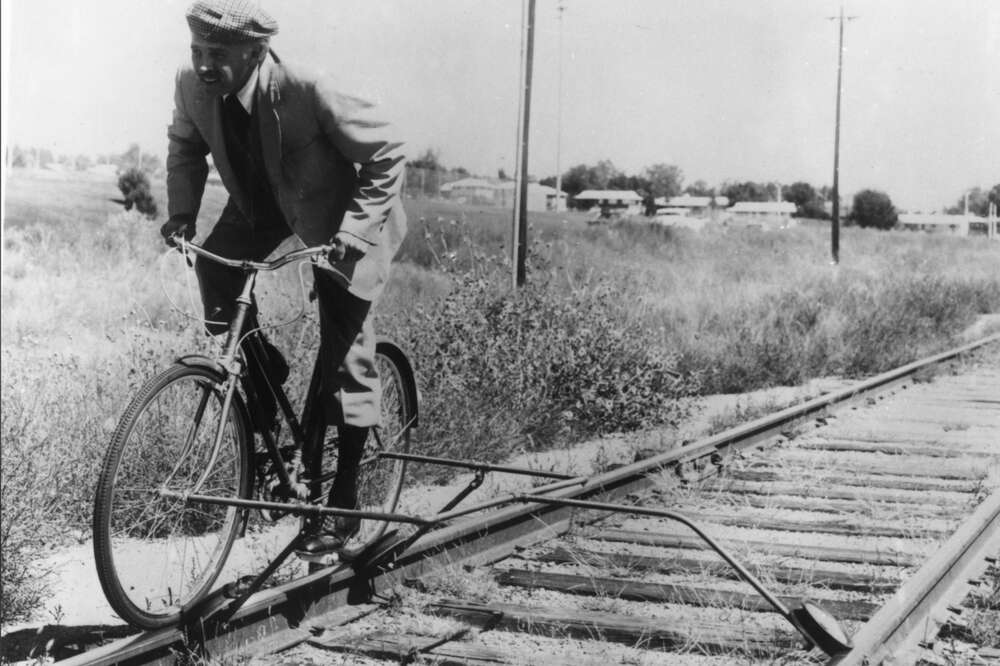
point(260, 51)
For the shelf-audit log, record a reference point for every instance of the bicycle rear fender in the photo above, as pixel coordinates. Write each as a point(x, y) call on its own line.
point(396, 353)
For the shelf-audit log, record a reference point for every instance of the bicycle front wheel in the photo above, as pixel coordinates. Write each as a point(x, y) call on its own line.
point(157, 556)
point(380, 480)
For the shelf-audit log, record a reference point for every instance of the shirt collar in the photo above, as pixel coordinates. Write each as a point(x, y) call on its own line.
point(245, 95)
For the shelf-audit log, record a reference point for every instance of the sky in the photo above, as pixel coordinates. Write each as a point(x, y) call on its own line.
point(724, 89)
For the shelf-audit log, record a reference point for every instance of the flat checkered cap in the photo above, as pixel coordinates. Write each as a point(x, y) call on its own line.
point(230, 21)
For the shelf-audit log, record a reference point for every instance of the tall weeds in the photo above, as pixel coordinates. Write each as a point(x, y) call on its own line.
point(587, 347)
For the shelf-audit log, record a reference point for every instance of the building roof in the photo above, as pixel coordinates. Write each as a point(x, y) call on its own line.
point(470, 183)
point(532, 187)
point(937, 218)
point(597, 195)
point(773, 207)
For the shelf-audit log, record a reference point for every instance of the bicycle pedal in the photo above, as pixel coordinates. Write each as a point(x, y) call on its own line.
point(322, 559)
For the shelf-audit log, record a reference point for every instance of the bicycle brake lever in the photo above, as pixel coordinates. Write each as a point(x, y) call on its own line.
point(178, 245)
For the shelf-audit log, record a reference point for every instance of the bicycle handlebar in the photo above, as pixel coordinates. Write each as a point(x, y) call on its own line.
point(311, 253)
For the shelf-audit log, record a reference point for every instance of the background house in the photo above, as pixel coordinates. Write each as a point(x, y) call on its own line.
point(952, 225)
point(685, 204)
point(498, 193)
point(615, 201)
point(764, 214)
point(470, 190)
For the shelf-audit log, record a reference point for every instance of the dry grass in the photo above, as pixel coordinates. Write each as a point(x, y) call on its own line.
point(85, 321)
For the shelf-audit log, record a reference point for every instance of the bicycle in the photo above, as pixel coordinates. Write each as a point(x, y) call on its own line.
point(178, 480)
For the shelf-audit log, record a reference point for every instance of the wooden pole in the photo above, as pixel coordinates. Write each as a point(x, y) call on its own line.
point(520, 245)
point(558, 206)
point(835, 226)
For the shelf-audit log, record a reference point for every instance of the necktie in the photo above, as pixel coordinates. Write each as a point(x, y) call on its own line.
point(236, 117)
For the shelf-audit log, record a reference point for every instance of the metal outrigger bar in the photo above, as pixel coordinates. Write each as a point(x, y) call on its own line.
point(818, 626)
point(815, 624)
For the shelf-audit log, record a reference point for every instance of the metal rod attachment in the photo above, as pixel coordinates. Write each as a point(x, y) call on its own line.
point(472, 464)
point(296, 508)
point(663, 513)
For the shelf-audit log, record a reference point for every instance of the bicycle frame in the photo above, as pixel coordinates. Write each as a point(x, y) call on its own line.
point(305, 438)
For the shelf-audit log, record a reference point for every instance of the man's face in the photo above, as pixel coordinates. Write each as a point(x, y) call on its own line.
point(223, 68)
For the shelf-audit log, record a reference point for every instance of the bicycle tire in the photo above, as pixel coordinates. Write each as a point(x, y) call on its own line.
point(157, 557)
point(380, 480)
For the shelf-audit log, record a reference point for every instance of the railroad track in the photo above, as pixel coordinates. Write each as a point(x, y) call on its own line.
point(881, 502)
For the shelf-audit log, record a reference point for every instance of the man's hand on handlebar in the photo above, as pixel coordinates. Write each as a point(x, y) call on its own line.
point(177, 227)
point(346, 247)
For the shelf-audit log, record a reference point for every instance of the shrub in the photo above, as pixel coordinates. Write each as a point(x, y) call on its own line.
point(134, 185)
point(873, 209)
point(502, 370)
point(25, 512)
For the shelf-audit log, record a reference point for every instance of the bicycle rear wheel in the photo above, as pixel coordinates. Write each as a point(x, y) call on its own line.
point(158, 556)
point(380, 480)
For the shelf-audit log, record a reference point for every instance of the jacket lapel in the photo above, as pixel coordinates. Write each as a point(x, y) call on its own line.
point(268, 100)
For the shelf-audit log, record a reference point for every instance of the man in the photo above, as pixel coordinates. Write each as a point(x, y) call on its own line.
point(296, 157)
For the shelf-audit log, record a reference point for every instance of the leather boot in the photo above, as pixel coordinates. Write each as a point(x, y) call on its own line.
point(335, 531)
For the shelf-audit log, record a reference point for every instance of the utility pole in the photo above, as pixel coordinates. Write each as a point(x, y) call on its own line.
point(835, 226)
point(519, 247)
point(559, 113)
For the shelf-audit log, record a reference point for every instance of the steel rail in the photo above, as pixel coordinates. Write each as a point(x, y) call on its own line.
point(915, 612)
point(478, 539)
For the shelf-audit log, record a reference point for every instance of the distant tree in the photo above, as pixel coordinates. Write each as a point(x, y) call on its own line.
point(584, 177)
point(665, 180)
point(979, 201)
point(637, 184)
point(806, 199)
point(745, 191)
point(602, 173)
point(429, 159)
point(134, 186)
point(501, 174)
point(994, 197)
point(649, 205)
point(873, 209)
point(699, 188)
point(134, 158)
point(45, 157)
point(82, 162)
point(131, 157)
point(16, 157)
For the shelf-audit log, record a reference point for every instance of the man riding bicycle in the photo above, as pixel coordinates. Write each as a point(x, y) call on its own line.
point(296, 157)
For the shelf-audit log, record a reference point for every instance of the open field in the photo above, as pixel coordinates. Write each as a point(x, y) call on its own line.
point(583, 350)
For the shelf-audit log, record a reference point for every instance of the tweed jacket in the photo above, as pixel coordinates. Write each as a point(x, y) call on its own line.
point(331, 165)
